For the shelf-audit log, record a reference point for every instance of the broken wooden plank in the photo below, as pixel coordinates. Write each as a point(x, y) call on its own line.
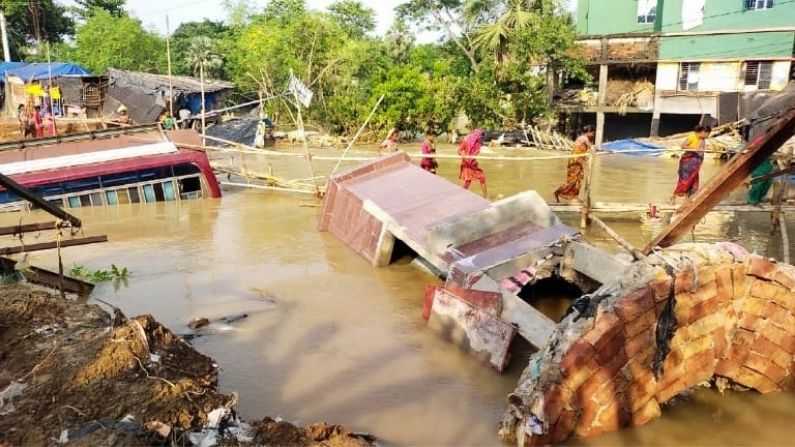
point(47, 278)
point(28, 228)
point(50, 245)
point(727, 179)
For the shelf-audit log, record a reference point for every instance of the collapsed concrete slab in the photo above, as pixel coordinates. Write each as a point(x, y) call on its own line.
point(497, 248)
point(693, 315)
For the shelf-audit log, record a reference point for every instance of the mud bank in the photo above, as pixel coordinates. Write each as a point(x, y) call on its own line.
point(70, 373)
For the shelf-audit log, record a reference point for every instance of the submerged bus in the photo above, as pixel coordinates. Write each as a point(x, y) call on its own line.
point(134, 168)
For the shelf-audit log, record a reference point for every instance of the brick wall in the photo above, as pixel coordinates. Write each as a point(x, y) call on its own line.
point(732, 324)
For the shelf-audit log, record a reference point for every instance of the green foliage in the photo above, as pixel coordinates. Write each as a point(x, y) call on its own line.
point(219, 34)
point(114, 274)
point(201, 54)
point(106, 41)
point(354, 18)
point(35, 21)
point(284, 10)
point(86, 7)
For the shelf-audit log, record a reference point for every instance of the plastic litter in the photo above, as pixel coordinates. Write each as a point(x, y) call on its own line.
point(14, 389)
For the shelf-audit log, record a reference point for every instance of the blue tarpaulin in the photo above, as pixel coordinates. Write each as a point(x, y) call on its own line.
point(633, 147)
point(39, 71)
point(5, 66)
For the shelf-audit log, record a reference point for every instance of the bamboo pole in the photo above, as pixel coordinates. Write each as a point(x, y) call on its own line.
point(204, 111)
point(784, 237)
point(170, 80)
point(273, 188)
point(355, 137)
point(621, 241)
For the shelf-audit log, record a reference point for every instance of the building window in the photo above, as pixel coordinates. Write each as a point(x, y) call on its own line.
point(689, 75)
point(647, 11)
point(758, 74)
point(758, 4)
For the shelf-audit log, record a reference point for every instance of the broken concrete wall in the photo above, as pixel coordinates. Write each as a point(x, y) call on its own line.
point(521, 209)
point(688, 316)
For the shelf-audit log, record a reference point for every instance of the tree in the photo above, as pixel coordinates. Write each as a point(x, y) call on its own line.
point(284, 10)
point(182, 39)
point(106, 41)
point(355, 18)
point(447, 16)
point(34, 22)
point(86, 7)
point(201, 57)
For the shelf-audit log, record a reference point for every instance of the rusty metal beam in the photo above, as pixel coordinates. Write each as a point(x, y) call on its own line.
point(50, 245)
point(47, 278)
point(31, 197)
point(27, 228)
point(726, 179)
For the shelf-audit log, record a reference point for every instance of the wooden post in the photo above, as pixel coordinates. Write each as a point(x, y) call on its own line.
point(780, 195)
point(600, 134)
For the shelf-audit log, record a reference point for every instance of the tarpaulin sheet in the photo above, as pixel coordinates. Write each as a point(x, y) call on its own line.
point(633, 147)
point(38, 71)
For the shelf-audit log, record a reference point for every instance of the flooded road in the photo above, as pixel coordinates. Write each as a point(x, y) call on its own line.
point(330, 338)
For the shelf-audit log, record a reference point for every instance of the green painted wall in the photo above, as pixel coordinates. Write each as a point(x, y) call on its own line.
point(728, 15)
point(728, 46)
point(610, 17)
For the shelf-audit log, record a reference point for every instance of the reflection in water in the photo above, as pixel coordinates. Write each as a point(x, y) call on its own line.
point(344, 342)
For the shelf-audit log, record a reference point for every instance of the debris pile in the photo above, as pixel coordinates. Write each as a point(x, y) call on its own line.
point(693, 315)
point(70, 373)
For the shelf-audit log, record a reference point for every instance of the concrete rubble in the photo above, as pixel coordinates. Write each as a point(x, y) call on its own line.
point(482, 249)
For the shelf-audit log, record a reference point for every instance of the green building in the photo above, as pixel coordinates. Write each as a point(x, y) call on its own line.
point(666, 65)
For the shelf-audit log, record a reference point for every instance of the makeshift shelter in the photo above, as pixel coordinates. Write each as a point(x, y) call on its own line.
point(33, 83)
point(147, 95)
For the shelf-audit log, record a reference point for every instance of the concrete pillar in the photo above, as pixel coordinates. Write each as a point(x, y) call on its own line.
point(655, 118)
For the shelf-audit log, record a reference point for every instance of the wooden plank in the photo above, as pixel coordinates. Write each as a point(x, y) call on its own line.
point(27, 228)
point(727, 179)
point(47, 278)
point(617, 237)
point(51, 245)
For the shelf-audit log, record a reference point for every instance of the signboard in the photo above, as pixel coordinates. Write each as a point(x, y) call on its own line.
point(301, 92)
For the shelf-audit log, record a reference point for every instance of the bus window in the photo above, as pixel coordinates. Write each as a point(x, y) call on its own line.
point(85, 200)
point(149, 193)
point(135, 197)
point(168, 190)
point(123, 196)
point(74, 202)
point(159, 193)
point(113, 197)
point(96, 199)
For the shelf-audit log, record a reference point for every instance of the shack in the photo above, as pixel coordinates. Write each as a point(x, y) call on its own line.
point(39, 83)
point(146, 96)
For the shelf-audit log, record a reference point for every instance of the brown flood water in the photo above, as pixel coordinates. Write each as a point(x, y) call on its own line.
point(344, 342)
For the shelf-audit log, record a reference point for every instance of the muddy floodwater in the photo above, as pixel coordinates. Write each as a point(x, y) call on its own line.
point(328, 337)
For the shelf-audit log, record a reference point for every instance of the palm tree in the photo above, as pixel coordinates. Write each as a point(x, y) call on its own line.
point(201, 58)
point(516, 16)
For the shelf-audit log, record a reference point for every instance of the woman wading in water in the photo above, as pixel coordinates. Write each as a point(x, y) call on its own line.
point(690, 163)
point(570, 189)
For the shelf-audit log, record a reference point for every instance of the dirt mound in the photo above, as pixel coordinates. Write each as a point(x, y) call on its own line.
point(70, 372)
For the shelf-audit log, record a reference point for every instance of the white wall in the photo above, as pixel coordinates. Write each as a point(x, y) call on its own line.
point(720, 76)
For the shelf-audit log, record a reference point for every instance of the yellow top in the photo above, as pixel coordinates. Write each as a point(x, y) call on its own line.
point(693, 142)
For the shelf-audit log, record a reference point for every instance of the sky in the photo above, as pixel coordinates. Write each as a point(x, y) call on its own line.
point(153, 12)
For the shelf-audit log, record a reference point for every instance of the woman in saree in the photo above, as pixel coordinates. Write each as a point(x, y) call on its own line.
point(575, 170)
point(470, 170)
point(690, 163)
point(429, 148)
